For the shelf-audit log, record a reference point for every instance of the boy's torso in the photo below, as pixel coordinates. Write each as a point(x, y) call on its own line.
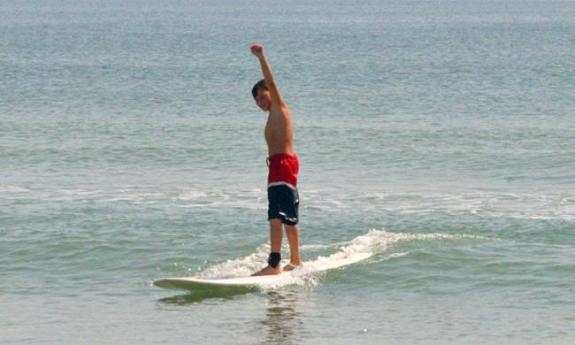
point(278, 131)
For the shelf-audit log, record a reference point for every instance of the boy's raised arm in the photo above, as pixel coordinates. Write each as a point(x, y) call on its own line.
point(258, 51)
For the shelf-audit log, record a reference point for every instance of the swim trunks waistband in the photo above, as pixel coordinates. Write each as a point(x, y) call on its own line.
point(280, 156)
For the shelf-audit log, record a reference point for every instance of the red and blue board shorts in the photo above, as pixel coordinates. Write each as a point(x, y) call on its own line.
point(283, 196)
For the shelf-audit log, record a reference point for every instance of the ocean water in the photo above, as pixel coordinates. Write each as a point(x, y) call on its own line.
point(436, 138)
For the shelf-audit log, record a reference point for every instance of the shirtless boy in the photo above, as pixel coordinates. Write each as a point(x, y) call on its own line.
point(283, 166)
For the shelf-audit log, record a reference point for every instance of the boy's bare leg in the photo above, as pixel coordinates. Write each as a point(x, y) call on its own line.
point(276, 234)
point(292, 232)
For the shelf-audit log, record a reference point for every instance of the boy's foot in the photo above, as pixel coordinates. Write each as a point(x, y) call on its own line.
point(291, 267)
point(268, 270)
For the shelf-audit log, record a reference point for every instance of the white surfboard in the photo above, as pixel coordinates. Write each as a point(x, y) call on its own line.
point(260, 282)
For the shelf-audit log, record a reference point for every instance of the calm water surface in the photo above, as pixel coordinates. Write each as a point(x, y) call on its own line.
point(435, 135)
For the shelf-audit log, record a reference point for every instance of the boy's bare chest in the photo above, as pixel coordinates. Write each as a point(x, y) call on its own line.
point(276, 124)
point(271, 131)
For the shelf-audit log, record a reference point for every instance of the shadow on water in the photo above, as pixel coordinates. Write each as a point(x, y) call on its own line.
point(201, 295)
point(283, 321)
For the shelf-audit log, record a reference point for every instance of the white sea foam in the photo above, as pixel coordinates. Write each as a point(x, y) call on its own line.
point(13, 189)
point(490, 204)
point(354, 251)
point(191, 195)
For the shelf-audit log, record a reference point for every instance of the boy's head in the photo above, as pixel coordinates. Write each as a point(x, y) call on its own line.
point(262, 95)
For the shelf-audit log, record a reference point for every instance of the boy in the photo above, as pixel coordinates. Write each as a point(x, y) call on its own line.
point(283, 169)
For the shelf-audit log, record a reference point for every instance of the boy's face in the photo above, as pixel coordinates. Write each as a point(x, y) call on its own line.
point(264, 99)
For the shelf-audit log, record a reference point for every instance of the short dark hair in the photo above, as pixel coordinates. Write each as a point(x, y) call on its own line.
point(257, 86)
